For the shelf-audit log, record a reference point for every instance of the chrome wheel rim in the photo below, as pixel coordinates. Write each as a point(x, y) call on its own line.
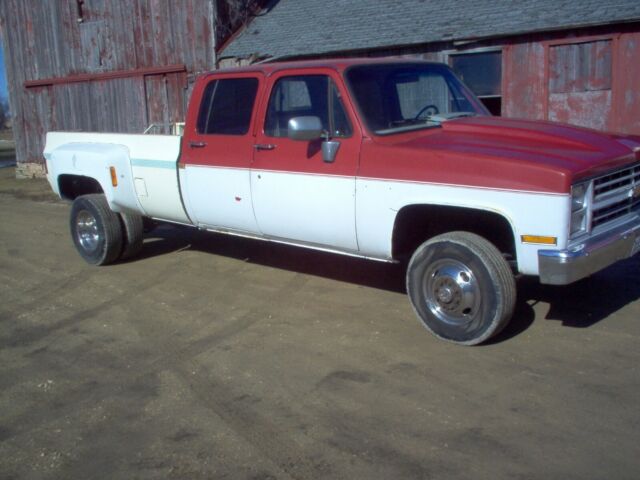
point(451, 292)
point(87, 231)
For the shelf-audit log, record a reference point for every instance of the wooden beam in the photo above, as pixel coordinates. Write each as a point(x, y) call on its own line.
point(90, 77)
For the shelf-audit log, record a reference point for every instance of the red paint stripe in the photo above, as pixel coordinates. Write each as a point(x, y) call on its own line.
point(376, 179)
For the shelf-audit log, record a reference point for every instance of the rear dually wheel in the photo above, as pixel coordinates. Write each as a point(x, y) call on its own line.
point(133, 234)
point(95, 229)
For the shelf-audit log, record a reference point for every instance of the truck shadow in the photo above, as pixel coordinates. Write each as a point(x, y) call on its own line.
point(592, 299)
point(169, 238)
point(579, 305)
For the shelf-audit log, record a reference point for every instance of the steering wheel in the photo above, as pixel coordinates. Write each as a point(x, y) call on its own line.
point(431, 109)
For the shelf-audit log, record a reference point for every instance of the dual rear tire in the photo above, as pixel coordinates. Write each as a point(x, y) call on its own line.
point(102, 236)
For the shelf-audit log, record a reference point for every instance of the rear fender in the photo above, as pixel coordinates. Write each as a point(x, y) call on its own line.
point(94, 160)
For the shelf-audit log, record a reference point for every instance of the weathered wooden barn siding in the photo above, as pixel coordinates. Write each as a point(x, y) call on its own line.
point(523, 81)
point(55, 39)
point(628, 83)
point(587, 80)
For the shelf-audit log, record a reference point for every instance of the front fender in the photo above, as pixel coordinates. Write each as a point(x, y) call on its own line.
point(378, 203)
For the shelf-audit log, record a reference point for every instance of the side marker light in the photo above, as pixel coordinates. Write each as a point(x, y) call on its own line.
point(114, 177)
point(539, 239)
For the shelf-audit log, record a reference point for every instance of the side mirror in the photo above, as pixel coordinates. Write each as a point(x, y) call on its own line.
point(305, 128)
point(330, 150)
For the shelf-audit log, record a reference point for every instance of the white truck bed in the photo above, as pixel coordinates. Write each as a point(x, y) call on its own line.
point(146, 168)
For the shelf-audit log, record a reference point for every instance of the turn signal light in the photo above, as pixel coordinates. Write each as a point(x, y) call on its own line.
point(114, 177)
point(539, 239)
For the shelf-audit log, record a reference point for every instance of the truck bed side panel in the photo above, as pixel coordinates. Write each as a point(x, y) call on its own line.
point(153, 167)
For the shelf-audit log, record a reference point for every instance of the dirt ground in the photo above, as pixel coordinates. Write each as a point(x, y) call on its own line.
point(220, 358)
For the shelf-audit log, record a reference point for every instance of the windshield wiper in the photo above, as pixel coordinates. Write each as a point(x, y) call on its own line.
point(452, 115)
point(412, 121)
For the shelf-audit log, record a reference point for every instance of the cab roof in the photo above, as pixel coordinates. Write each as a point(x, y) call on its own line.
point(338, 64)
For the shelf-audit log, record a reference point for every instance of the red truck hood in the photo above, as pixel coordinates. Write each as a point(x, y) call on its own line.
point(496, 152)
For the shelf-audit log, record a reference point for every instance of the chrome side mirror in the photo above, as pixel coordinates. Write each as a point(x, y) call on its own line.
point(329, 150)
point(304, 128)
point(309, 128)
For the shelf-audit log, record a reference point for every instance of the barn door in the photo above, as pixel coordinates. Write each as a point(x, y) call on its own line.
point(580, 83)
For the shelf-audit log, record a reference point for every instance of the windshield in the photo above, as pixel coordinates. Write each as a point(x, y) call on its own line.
point(400, 97)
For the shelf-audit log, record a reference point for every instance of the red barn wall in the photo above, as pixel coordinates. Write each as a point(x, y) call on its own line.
point(628, 84)
point(523, 81)
point(587, 80)
point(154, 46)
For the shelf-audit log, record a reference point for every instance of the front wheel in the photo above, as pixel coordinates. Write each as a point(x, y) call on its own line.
point(95, 229)
point(461, 288)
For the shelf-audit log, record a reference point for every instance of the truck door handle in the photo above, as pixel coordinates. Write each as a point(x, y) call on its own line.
point(197, 144)
point(264, 146)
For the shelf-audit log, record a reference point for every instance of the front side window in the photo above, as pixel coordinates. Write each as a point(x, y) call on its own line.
point(306, 95)
point(407, 96)
point(226, 106)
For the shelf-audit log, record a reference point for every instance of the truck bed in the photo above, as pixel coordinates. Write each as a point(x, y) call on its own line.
point(146, 167)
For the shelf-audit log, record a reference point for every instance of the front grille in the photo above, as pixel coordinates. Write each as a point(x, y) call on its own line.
point(612, 195)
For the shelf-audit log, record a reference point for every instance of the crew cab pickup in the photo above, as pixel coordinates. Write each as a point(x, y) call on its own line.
point(389, 160)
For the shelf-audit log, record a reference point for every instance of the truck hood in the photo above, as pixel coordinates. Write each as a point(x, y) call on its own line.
point(515, 154)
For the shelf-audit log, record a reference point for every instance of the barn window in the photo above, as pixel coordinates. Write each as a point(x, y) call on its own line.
point(580, 67)
point(482, 73)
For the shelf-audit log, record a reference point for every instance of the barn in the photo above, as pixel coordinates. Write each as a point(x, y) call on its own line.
point(99, 65)
point(127, 65)
point(567, 61)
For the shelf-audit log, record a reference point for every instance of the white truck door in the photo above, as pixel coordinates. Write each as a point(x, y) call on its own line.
point(217, 154)
point(296, 194)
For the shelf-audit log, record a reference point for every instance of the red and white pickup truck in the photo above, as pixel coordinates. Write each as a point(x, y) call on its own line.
point(386, 160)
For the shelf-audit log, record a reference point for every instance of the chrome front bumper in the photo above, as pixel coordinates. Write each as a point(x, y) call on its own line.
point(560, 267)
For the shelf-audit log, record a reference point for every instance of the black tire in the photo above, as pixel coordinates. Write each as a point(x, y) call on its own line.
point(148, 225)
point(95, 229)
point(133, 228)
point(461, 288)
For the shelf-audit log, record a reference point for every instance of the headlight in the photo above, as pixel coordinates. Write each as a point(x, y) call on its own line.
point(578, 194)
point(580, 202)
point(578, 222)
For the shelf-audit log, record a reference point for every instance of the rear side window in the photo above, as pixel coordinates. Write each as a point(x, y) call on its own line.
point(226, 106)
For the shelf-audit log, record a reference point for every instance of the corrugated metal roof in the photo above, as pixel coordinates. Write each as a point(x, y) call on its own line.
point(312, 27)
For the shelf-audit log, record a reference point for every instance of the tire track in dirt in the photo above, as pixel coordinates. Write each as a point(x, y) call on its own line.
point(79, 398)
